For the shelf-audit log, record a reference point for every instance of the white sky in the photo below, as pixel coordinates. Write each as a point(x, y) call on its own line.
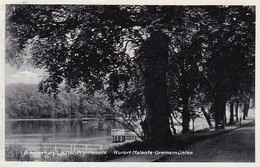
point(22, 75)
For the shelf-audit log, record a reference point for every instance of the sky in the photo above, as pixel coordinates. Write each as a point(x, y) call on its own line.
point(24, 74)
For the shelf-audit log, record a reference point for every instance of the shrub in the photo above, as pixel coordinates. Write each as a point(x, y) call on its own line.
point(16, 152)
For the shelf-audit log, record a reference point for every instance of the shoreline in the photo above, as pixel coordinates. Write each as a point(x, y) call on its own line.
point(41, 119)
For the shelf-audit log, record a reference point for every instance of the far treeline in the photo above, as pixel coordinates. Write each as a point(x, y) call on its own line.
point(156, 60)
point(24, 101)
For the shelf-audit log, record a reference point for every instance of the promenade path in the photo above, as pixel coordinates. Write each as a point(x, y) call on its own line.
point(235, 146)
point(235, 143)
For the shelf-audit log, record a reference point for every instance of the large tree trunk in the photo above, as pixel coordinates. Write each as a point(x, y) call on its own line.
point(219, 108)
point(231, 119)
point(236, 110)
point(154, 68)
point(206, 115)
point(246, 107)
point(225, 116)
point(216, 112)
point(223, 111)
point(172, 126)
point(185, 115)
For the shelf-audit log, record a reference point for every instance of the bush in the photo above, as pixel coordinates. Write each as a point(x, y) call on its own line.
point(16, 153)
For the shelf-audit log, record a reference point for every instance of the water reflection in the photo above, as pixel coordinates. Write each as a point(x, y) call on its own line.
point(68, 127)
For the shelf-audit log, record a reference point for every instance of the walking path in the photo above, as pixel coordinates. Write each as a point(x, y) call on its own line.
point(236, 146)
point(208, 146)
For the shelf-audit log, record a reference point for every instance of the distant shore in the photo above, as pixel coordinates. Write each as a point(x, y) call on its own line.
point(41, 119)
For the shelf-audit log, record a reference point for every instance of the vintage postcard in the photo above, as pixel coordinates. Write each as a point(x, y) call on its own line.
point(150, 82)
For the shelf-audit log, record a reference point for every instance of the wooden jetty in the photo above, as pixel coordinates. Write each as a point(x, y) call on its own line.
point(121, 135)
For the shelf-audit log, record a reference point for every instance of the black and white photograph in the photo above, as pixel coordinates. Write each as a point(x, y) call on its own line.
point(129, 83)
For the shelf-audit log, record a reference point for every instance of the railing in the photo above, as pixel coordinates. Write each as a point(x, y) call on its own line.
point(120, 135)
point(61, 147)
point(117, 132)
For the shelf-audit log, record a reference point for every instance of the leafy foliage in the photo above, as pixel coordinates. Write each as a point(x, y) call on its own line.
point(107, 49)
point(24, 101)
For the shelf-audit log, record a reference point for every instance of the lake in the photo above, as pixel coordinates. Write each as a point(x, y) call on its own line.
point(93, 131)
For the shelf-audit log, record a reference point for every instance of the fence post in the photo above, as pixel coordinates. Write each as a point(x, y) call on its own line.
point(55, 147)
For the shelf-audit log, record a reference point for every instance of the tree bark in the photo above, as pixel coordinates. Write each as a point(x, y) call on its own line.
point(172, 126)
point(223, 112)
point(225, 117)
point(219, 110)
point(236, 110)
point(231, 119)
point(216, 112)
point(246, 107)
point(206, 116)
point(185, 115)
point(155, 61)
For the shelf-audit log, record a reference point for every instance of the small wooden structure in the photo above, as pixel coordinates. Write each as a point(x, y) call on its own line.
point(120, 135)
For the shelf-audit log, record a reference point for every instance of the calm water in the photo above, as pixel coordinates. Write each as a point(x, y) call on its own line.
point(53, 130)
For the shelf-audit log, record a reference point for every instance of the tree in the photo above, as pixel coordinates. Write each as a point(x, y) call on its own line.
point(154, 68)
point(229, 60)
point(87, 47)
point(231, 119)
point(186, 62)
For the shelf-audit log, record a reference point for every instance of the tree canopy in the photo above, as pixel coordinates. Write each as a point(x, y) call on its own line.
point(161, 55)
